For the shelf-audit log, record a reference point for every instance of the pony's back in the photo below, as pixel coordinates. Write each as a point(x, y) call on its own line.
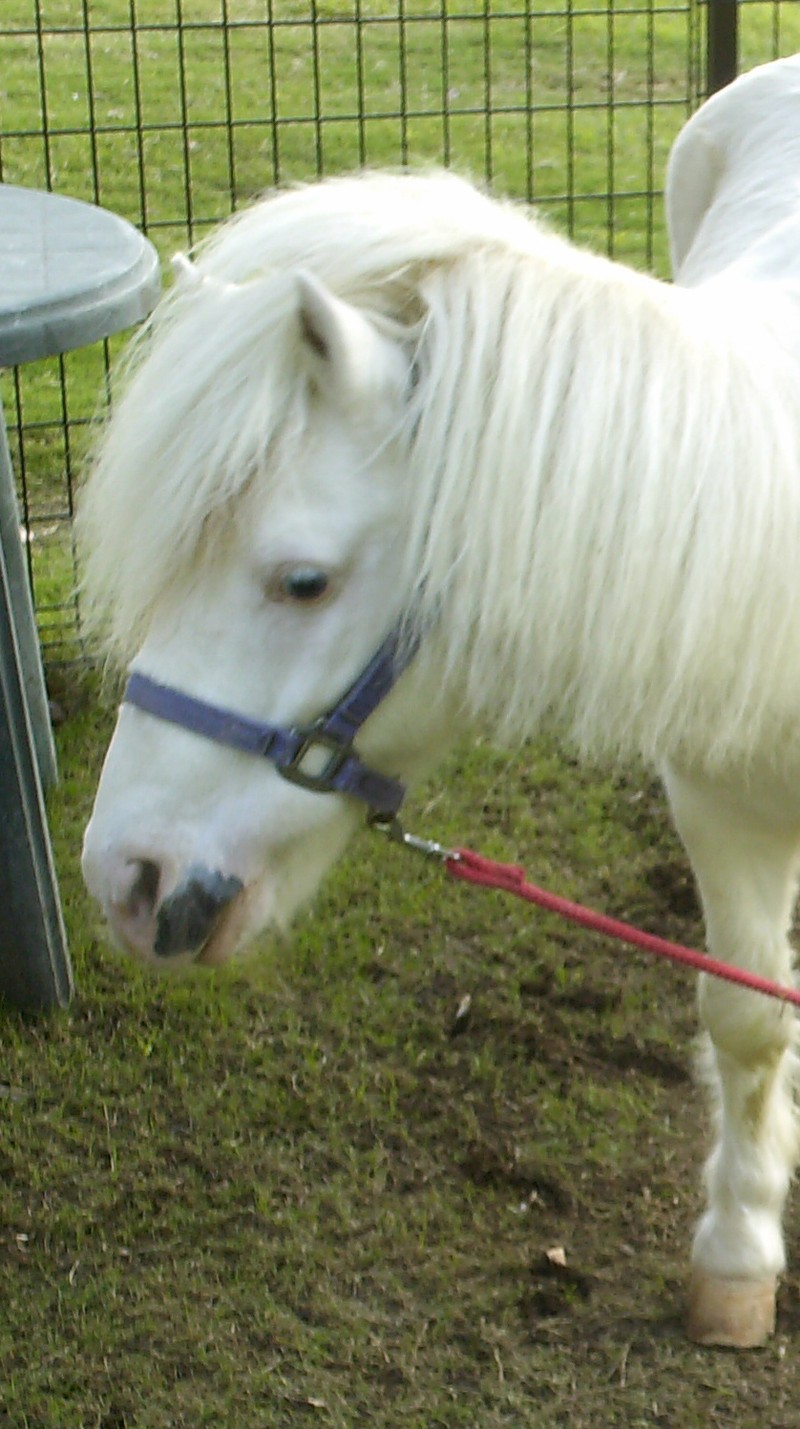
point(734, 173)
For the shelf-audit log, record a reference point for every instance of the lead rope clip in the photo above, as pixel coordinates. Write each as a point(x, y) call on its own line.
point(394, 830)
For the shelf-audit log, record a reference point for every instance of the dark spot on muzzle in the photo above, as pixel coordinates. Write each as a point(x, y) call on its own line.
point(189, 915)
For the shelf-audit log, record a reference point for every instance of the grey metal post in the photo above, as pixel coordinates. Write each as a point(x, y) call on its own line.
point(24, 619)
point(35, 972)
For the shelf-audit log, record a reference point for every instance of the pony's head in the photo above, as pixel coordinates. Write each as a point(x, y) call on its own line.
point(298, 466)
point(246, 538)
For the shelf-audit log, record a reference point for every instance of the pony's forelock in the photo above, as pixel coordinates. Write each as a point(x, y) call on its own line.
point(203, 401)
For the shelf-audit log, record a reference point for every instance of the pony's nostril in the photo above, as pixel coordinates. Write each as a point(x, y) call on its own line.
point(189, 915)
point(131, 898)
point(143, 895)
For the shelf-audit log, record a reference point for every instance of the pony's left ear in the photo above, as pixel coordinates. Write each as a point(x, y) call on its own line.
point(348, 358)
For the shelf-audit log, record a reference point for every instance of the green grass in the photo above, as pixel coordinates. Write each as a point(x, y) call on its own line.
point(263, 103)
point(301, 1193)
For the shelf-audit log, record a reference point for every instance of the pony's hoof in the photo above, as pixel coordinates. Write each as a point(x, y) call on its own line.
point(728, 1311)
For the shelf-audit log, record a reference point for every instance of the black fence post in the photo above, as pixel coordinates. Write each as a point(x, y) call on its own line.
point(722, 43)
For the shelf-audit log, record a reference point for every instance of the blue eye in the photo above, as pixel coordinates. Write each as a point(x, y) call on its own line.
point(304, 584)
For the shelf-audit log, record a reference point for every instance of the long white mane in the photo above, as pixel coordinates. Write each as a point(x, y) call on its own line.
point(605, 469)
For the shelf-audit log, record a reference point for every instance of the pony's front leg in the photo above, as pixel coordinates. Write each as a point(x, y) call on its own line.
point(745, 857)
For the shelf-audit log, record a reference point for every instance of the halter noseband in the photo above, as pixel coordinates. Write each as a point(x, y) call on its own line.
point(319, 756)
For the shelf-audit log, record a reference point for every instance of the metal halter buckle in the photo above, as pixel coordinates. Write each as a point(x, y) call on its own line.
point(313, 740)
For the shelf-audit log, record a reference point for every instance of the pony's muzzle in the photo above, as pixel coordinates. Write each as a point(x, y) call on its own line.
point(188, 916)
point(151, 913)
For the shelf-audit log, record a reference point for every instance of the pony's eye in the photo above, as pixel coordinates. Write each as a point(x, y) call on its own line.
point(307, 585)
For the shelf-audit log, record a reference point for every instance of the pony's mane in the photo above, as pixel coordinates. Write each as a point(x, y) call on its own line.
point(607, 489)
point(604, 467)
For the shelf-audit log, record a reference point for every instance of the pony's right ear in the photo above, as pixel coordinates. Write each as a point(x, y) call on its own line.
point(348, 359)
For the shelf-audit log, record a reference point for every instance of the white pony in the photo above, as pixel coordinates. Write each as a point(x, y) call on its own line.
point(390, 399)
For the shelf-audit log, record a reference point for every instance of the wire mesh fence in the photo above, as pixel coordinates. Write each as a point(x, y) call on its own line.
point(175, 112)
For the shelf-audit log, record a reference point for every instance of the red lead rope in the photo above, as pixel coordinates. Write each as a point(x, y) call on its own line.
point(473, 868)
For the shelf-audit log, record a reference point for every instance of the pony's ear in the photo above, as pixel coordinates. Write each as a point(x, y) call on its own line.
point(347, 357)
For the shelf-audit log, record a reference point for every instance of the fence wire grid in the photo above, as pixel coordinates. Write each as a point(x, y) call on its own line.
point(174, 113)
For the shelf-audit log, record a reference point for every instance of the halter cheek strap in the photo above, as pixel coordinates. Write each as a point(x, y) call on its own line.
point(319, 756)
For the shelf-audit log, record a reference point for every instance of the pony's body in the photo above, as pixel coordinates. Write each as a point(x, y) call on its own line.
point(584, 487)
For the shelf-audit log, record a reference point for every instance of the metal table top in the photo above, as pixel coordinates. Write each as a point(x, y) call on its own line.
point(70, 274)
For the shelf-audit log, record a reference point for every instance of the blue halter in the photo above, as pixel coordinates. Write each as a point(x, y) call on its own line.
point(319, 756)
